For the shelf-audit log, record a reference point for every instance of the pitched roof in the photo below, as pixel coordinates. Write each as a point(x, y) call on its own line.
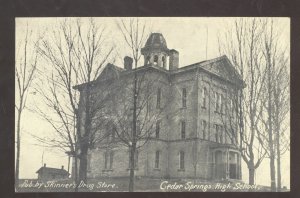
point(220, 66)
point(53, 171)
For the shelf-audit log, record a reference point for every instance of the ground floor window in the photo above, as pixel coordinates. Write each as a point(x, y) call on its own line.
point(157, 155)
point(108, 159)
point(181, 160)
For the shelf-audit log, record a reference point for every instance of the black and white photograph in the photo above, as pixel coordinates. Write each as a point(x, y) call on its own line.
point(152, 104)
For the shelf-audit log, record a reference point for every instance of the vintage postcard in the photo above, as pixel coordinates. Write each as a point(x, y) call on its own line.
point(152, 104)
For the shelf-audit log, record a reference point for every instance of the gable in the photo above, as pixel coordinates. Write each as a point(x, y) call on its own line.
point(223, 68)
point(110, 71)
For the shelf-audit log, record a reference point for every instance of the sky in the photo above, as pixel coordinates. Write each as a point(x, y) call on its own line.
point(196, 39)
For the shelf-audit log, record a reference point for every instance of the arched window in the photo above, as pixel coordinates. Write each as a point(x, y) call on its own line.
point(155, 60)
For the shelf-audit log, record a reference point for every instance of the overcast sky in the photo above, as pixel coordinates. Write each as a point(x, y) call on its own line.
point(186, 35)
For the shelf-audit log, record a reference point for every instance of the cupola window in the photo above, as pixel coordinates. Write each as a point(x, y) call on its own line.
point(155, 60)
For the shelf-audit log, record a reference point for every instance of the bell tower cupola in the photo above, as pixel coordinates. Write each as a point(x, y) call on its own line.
point(155, 51)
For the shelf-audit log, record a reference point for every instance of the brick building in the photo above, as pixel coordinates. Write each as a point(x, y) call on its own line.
point(191, 137)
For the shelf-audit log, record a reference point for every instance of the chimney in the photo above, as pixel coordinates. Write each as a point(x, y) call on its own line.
point(62, 167)
point(173, 59)
point(45, 165)
point(128, 62)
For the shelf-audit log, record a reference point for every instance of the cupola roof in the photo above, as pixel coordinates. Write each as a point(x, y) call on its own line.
point(156, 41)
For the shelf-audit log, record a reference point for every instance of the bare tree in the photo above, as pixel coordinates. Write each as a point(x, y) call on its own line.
point(151, 103)
point(77, 53)
point(134, 35)
point(276, 101)
point(281, 109)
point(24, 70)
point(244, 48)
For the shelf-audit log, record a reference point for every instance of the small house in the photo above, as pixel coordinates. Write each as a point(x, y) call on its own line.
point(47, 173)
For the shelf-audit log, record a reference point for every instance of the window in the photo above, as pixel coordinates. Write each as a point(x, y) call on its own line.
point(221, 134)
point(163, 61)
point(105, 160)
point(155, 60)
point(157, 159)
point(222, 103)
point(147, 60)
point(111, 159)
point(181, 160)
point(204, 95)
point(113, 133)
point(225, 135)
point(216, 102)
point(233, 136)
point(216, 133)
point(184, 97)
point(230, 105)
point(183, 129)
point(204, 129)
point(135, 160)
point(158, 97)
point(89, 158)
point(108, 159)
point(157, 129)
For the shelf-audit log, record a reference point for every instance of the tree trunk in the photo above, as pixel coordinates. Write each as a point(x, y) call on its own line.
point(277, 131)
point(134, 133)
point(278, 154)
point(272, 169)
point(83, 165)
point(18, 148)
point(132, 167)
point(76, 173)
point(85, 138)
point(278, 170)
point(251, 170)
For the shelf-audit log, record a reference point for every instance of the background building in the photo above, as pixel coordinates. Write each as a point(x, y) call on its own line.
point(49, 174)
